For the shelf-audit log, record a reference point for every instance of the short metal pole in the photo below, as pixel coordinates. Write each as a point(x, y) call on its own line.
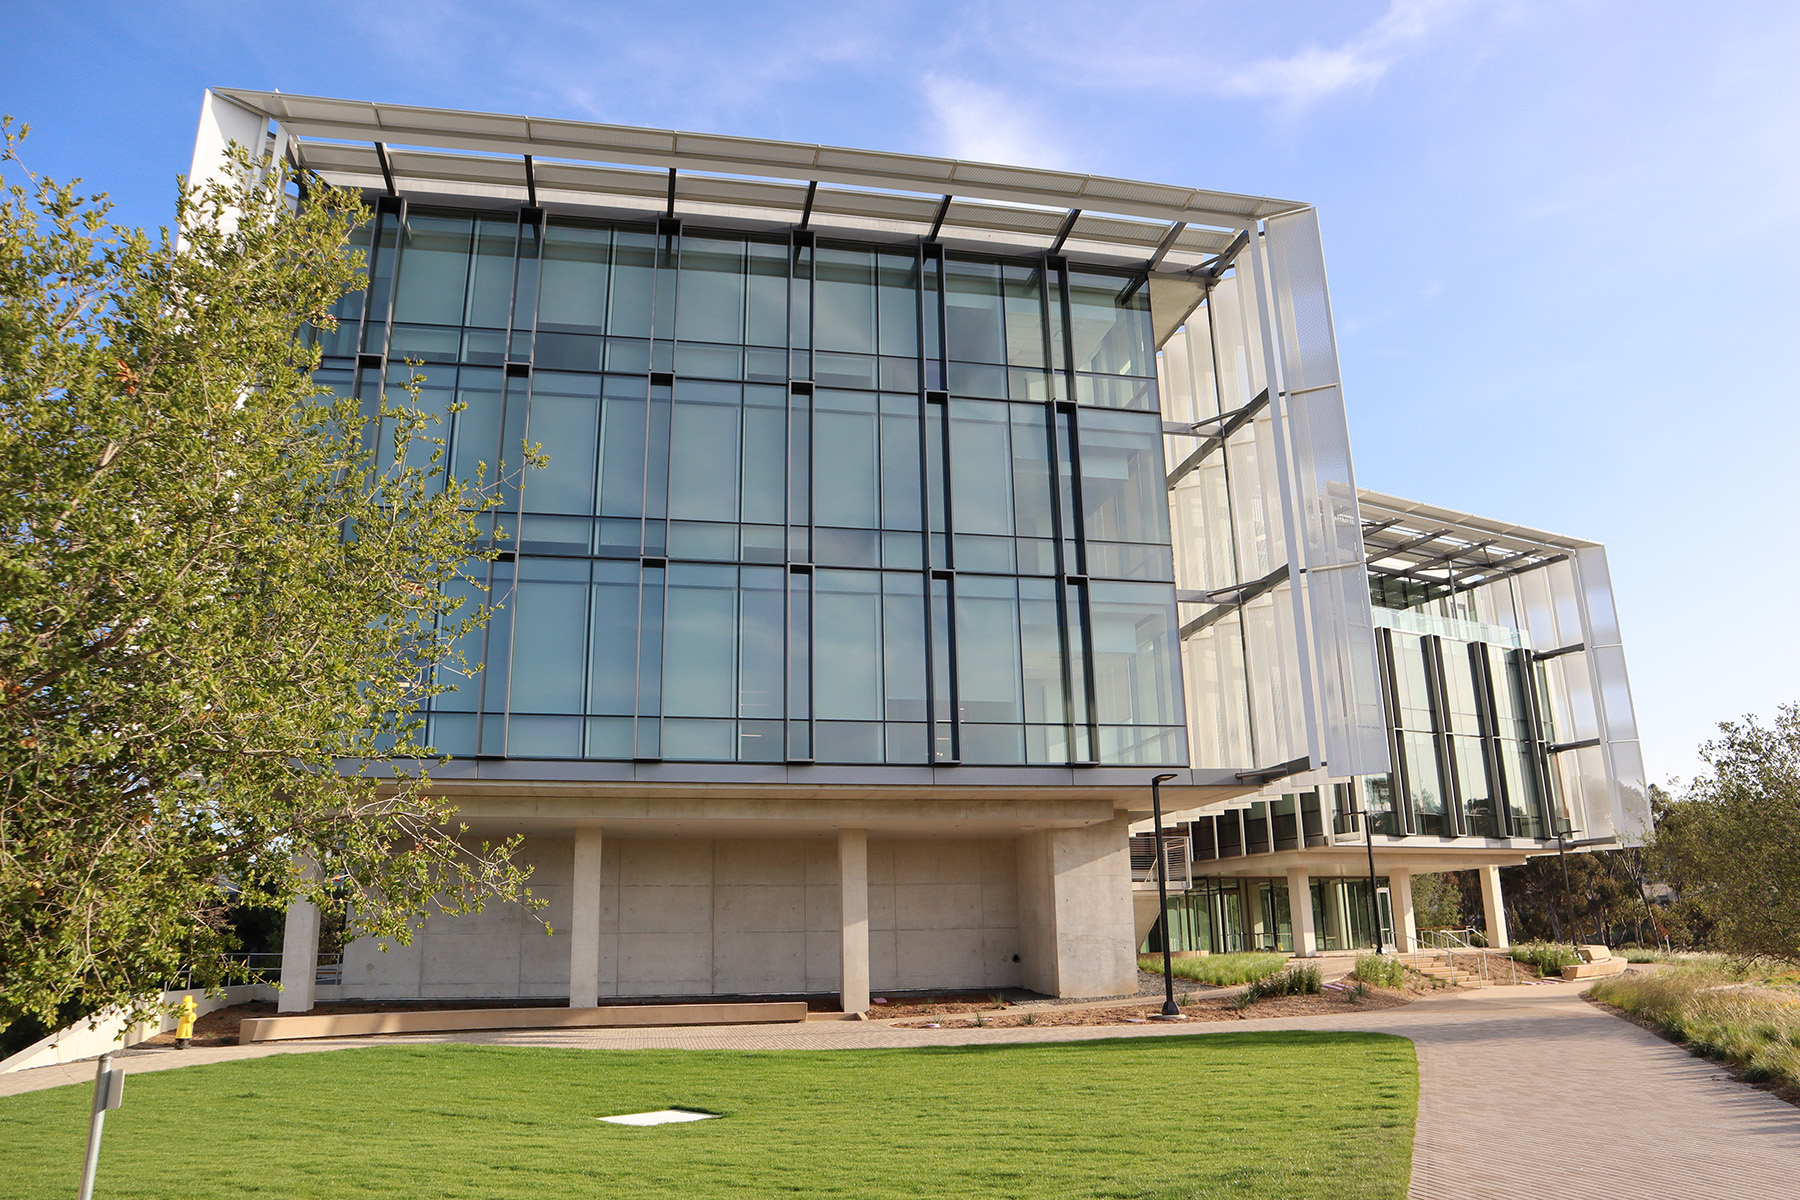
point(95, 1122)
point(1169, 1008)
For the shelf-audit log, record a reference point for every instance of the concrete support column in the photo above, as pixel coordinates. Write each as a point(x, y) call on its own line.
point(853, 909)
point(584, 920)
point(299, 957)
point(1400, 892)
point(1306, 943)
point(1493, 908)
point(1076, 931)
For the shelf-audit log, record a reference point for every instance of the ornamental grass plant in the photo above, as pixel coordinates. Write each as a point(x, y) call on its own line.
point(1219, 970)
point(1547, 958)
point(1379, 970)
point(1728, 1012)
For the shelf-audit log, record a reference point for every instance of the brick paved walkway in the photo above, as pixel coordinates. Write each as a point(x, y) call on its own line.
point(1523, 1092)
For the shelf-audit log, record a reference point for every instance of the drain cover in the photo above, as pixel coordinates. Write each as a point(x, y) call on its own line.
point(664, 1116)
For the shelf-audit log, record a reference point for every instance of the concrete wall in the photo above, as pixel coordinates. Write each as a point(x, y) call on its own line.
point(943, 914)
point(684, 917)
point(1078, 931)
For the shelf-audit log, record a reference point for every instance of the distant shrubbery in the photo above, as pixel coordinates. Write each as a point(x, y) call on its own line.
point(1547, 957)
point(1219, 970)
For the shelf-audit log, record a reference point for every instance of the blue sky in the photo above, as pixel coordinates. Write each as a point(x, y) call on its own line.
point(1563, 234)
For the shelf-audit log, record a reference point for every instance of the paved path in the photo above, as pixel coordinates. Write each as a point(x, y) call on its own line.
point(1522, 1091)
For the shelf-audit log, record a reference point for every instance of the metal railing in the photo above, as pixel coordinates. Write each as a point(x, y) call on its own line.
point(1176, 848)
point(264, 967)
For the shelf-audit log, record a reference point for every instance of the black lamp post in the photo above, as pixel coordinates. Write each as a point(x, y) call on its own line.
point(1169, 1008)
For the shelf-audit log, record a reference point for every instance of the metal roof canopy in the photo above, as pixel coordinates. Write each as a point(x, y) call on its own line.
point(1439, 546)
point(445, 152)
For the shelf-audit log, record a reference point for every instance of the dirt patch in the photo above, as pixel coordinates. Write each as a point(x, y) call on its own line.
point(1211, 1008)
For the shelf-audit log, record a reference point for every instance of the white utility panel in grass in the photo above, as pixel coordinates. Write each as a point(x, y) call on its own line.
point(665, 1116)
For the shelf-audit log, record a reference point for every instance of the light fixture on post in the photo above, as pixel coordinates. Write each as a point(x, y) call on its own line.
point(1170, 1009)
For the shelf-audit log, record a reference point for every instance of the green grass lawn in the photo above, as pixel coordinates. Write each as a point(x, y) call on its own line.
point(1288, 1115)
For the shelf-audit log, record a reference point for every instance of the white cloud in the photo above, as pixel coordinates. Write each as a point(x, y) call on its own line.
point(1314, 72)
point(984, 124)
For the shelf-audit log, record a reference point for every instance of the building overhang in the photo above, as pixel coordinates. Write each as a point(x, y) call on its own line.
point(445, 153)
point(1450, 551)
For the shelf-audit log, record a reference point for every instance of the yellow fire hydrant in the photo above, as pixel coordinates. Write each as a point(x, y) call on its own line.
point(184, 1023)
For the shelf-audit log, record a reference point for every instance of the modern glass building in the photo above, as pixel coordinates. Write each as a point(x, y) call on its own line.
point(903, 517)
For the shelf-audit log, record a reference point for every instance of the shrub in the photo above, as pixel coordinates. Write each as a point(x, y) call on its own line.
point(1295, 981)
point(1219, 970)
point(1379, 970)
point(1546, 957)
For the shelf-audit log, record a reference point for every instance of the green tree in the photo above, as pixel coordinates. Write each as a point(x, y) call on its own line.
point(1730, 846)
point(1438, 900)
point(224, 594)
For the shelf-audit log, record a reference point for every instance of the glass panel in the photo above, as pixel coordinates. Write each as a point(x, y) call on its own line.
point(703, 452)
point(981, 492)
point(612, 658)
point(987, 644)
point(699, 652)
point(1024, 317)
point(1425, 787)
point(572, 291)
point(1033, 507)
point(1123, 487)
point(901, 493)
point(434, 268)
point(1134, 654)
point(1111, 337)
point(766, 301)
point(712, 290)
point(799, 665)
point(765, 455)
point(698, 741)
point(800, 315)
point(974, 324)
point(1042, 651)
point(490, 279)
point(897, 282)
point(761, 613)
point(845, 295)
point(1481, 816)
point(525, 287)
point(903, 650)
point(565, 421)
point(847, 645)
point(847, 467)
point(549, 628)
point(943, 745)
point(381, 281)
point(633, 284)
point(622, 447)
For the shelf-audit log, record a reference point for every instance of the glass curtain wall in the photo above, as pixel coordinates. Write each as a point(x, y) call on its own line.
point(805, 500)
point(1468, 714)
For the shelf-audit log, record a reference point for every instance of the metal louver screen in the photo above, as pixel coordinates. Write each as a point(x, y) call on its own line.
point(1352, 725)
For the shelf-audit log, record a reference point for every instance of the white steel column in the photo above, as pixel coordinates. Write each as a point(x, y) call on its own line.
point(1493, 909)
point(299, 957)
point(853, 909)
point(1400, 894)
point(1300, 913)
point(584, 920)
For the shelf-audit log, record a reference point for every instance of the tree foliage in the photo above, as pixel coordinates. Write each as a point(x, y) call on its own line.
point(222, 595)
point(1730, 846)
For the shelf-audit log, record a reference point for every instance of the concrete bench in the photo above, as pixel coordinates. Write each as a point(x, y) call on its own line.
point(1597, 962)
point(324, 1025)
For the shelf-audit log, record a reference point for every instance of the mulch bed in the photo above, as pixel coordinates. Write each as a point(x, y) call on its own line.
point(1211, 1008)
